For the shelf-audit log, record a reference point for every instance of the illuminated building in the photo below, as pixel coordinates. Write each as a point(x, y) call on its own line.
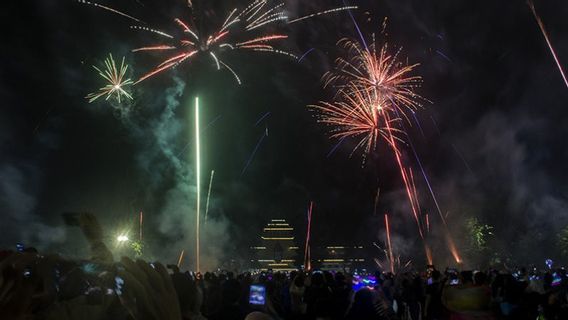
point(277, 249)
point(339, 257)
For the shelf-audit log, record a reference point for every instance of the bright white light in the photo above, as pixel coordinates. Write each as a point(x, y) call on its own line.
point(122, 238)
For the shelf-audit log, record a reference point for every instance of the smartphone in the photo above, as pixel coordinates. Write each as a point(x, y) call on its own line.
point(19, 247)
point(430, 281)
point(118, 283)
point(257, 295)
point(556, 279)
point(533, 277)
point(454, 282)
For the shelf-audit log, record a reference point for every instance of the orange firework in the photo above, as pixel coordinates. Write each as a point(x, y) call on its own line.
point(374, 92)
point(379, 73)
point(360, 114)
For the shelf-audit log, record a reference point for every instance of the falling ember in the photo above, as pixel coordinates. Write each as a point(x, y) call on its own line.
point(428, 222)
point(552, 51)
point(197, 181)
point(180, 259)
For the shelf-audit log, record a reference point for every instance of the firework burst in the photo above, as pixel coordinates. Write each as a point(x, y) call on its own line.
point(241, 30)
point(116, 80)
point(379, 73)
point(245, 29)
point(375, 91)
point(358, 114)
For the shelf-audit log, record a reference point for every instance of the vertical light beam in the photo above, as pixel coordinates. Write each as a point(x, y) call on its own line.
point(197, 181)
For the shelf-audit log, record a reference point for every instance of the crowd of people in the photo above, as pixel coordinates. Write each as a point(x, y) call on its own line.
point(34, 285)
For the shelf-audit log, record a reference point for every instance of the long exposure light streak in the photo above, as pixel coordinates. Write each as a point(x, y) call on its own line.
point(94, 4)
point(448, 236)
point(140, 223)
point(180, 259)
point(266, 114)
point(389, 244)
point(547, 39)
point(209, 194)
point(254, 151)
point(197, 182)
point(307, 263)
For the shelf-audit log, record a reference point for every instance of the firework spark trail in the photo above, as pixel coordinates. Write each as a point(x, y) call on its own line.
point(180, 259)
point(407, 184)
point(389, 245)
point(266, 114)
point(357, 27)
point(449, 238)
point(462, 158)
point(378, 263)
point(116, 81)
point(202, 132)
point(435, 125)
point(418, 124)
point(348, 8)
point(428, 222)
point(307, 264)
point(264, 135)
point(376, 200)
point(94, 4)
point(197, 181)
point(161, 33)
point(209, 194)
point(335, 147)
point(232, 72)
point(305, 54)
point(545, 34)
point(210, 123)
point(140, 222)
point(444, 56)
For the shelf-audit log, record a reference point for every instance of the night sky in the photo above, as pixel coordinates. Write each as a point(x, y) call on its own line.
point(492, 140)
